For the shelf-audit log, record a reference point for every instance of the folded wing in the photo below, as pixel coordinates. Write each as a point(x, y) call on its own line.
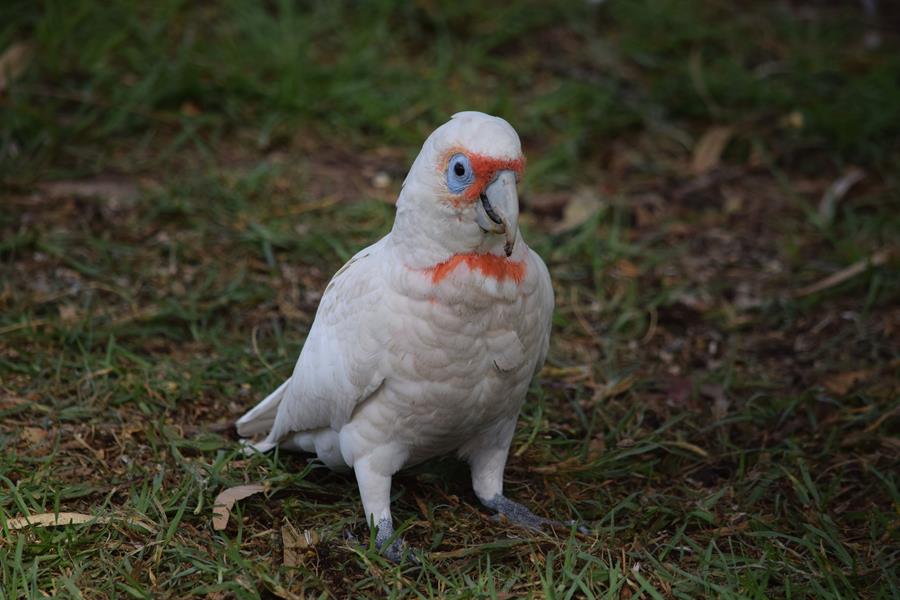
point(339, 365)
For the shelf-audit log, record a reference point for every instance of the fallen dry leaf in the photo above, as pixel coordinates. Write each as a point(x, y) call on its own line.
point(296, 544)
point(583, 205)
point(12, 63)
point(627, 269)
point(841, 383)
point(708, 149)
point(67, 518)
point(34, 435)
point(52, 520)
point(108, 188)
point(68, 313)
point(226, 499)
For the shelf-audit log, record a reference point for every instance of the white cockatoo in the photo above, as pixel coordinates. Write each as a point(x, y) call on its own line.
point(425, 342)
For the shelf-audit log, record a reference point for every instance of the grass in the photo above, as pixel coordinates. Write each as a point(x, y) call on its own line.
point(182, 179)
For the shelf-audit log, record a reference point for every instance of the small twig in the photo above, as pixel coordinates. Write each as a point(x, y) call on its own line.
point(860, 266)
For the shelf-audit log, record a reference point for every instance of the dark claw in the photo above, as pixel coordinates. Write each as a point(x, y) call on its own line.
point(520, 515)
point(395, 551)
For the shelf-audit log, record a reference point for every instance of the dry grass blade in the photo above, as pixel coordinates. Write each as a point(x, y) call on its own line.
point(860, 266)
point(838, 190)
point(689, 447)
point(226, 499)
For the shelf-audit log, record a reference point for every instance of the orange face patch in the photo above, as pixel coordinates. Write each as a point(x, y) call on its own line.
point(485, 168)
point(489, 265)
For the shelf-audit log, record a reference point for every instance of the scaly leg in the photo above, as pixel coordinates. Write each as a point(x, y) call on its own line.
point(375, 491)
point(487, 458)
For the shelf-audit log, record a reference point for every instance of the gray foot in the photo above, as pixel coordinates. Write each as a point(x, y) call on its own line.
point(520, 515)
point(393, 551)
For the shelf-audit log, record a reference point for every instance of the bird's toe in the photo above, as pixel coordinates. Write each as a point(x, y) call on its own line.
point(519, 514)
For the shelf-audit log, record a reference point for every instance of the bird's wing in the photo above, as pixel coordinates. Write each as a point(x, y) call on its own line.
point(544, 301)
point(339, 365)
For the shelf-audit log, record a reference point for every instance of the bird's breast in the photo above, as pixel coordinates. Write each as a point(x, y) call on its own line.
point(453, 365)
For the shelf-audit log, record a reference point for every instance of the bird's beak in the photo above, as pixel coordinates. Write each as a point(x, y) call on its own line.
point(497, 210)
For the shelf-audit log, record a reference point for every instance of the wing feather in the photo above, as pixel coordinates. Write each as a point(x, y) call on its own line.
point(545, 301)
point(339, 365)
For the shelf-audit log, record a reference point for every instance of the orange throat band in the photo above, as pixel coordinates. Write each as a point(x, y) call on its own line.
point(489, 265)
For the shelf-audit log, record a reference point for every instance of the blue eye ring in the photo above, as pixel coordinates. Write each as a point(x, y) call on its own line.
point(460, 173)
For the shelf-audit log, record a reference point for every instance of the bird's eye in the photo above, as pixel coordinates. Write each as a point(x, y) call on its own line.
point(459, 173)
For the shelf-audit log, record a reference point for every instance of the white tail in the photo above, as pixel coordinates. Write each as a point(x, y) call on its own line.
point(261, 417)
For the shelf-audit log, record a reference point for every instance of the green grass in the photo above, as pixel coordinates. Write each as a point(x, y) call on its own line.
point(180, 180)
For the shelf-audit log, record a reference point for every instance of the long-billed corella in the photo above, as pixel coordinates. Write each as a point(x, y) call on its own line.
point(425, 342)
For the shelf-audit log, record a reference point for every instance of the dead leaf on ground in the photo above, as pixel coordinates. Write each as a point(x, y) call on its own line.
point(52, 520)
point(708, 149)
point(841, 383)
point(583, 205)
point(297, 544)
point(627, 269)
point(34, 435)
point(226, 499)
point(109, 188)
point(13, 62)
point(67, 518)
point(68, 313)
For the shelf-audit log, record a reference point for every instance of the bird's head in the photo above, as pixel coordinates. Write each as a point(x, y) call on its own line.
point(460, 195)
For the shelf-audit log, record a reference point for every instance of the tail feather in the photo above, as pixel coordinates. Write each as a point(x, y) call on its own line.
point(251, 448)
point(261, 417)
